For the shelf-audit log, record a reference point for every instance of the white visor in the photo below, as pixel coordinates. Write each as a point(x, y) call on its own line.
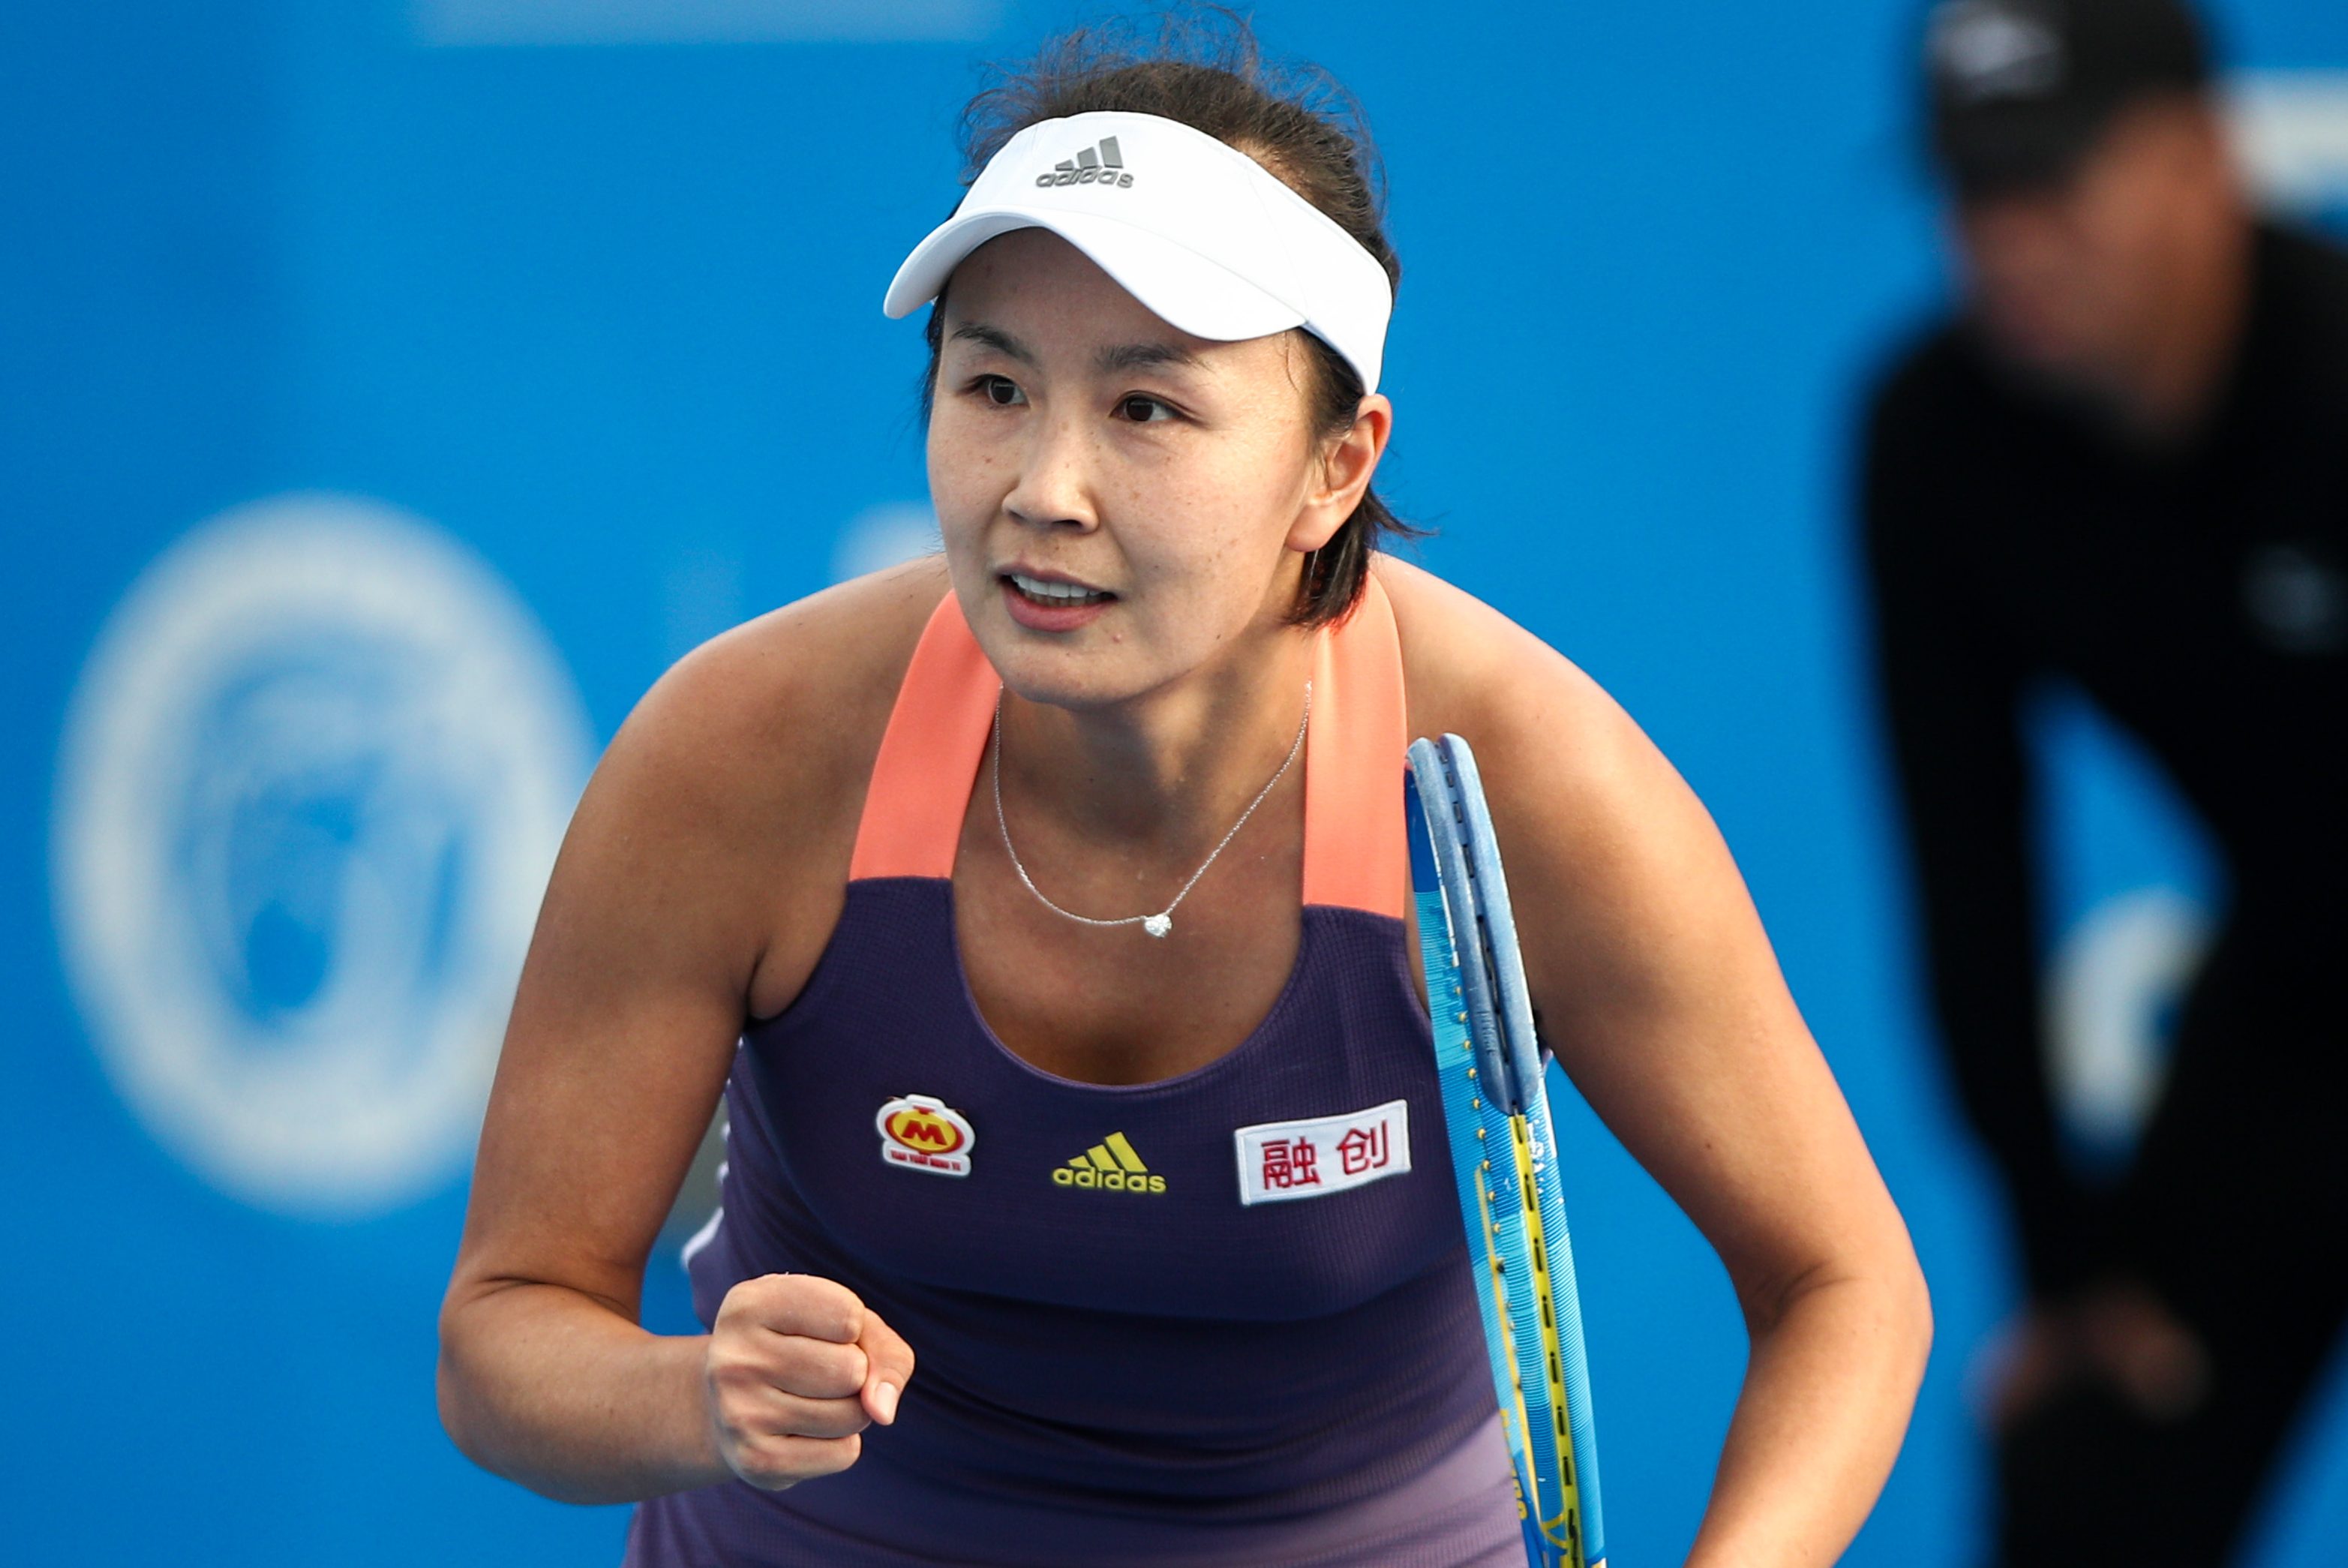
point(1195, 230)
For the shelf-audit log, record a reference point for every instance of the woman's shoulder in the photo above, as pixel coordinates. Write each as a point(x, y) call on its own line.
point(1464, 660)
point(1605, 836)
point(712, 844)
point(784, 709)
point(1468, 669)
point(807, 679)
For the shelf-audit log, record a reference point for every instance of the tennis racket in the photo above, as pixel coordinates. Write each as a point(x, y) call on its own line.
point(1504, 1155)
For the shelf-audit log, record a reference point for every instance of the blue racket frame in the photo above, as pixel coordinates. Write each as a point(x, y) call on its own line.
point(1503, 1150)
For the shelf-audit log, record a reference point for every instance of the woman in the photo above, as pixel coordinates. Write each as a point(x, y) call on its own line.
point(1045, 873)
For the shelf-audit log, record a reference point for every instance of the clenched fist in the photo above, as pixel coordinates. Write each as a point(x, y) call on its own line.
point(797, 1369)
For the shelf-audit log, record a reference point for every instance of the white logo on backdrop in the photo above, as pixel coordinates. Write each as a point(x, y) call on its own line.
point(2112, 992)
point(881, 536)
point(475, 23)
point(2290, 132)
point(313, 780)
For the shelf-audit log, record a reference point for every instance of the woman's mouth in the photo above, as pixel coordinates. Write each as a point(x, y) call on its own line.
point(1047, 604)
point(1057, 593)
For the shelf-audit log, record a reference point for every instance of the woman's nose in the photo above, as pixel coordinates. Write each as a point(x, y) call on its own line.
point(1054, 482)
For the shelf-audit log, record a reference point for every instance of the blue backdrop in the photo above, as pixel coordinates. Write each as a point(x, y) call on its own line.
point(391, 390)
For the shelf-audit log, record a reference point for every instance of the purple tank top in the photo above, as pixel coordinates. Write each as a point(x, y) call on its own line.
point(1222, 1319)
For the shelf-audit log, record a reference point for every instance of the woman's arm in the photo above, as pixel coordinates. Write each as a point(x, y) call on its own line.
point(1659, 990)
point(654, 933)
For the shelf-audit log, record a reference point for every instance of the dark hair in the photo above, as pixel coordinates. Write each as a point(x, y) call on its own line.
point(1203, 68)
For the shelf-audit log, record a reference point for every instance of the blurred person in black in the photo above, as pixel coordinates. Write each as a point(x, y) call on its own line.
point(2124, 465)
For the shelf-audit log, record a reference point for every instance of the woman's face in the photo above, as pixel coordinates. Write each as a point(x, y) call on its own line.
point(1120, 502)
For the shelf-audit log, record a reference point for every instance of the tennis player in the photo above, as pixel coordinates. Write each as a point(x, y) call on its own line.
point(1040, 913)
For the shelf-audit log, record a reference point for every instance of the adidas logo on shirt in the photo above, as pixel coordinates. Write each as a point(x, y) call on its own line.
point(1110, 1165)
point(1097, 165)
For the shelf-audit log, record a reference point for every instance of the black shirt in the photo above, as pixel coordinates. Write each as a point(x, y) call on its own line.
point(2198, 595)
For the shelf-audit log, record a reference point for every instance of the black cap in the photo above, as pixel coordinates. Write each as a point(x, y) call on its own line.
point(2019, 88)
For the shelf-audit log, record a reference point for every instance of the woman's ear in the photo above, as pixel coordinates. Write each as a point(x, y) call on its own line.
point(1347, 463)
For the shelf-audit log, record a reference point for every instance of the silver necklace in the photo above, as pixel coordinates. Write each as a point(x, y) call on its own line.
point(1161, 923)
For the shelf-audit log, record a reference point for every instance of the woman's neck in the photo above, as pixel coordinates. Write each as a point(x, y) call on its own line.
point(1173, 767)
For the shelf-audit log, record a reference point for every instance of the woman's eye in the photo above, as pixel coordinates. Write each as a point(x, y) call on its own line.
point(1144, 410)
point(1000, 390)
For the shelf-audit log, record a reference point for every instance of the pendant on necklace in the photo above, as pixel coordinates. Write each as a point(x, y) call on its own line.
point(1158, 924)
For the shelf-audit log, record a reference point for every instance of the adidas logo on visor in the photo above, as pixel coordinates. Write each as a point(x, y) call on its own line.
point(1101, 164)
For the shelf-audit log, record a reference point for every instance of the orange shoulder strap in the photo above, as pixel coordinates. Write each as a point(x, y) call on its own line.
point(928, 754)
point(1354, 849)
point(1355, 855)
